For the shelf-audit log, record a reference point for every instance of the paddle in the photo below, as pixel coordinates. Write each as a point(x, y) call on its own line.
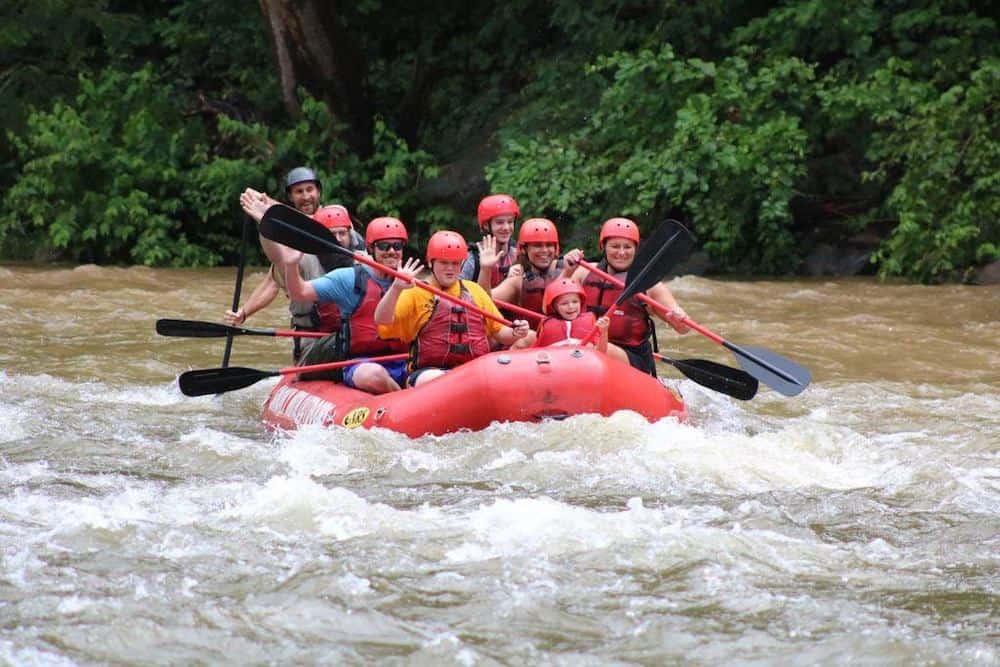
point(195, 329)
point(718, 377)
point(294, 229)
point(220, 380)
point(245, 228)
point(781, 374)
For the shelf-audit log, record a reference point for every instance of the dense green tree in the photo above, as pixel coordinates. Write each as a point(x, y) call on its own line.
point(768, 127)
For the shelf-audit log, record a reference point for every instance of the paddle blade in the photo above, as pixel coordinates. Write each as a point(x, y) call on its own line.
point(717, 377)
point(668, 246)
point(287, 226)
point(219, 380)
point(781, 374)
point(192, 329)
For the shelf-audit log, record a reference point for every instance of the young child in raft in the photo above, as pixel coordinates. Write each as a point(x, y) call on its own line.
point(568, 322)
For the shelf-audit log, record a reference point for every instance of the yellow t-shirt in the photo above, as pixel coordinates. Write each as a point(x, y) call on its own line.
point(414, 306)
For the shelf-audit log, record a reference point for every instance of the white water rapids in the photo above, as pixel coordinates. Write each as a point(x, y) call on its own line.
point(858, 523)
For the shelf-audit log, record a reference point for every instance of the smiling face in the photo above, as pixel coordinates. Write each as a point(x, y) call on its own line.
point(540, 254)
point(446, 272)
point(568, 306)
point(620, 253)
point(388, 252)
point(502, 228)
point(304, 196)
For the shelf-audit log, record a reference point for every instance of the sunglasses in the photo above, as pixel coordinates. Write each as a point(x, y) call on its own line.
point(386, 246)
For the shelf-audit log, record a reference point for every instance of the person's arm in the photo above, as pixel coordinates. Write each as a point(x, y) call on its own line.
point(508, 336)
point(510, 289)
point(579, 275)
point(602, 339)
point(385, 311)
point(255, 204)
point(298, 289)
point(571, 262)
point(662, 295)
point(260, 298)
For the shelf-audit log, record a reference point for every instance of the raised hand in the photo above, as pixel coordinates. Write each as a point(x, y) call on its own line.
point(409, 271)
point(488, 256)
point(255, 203)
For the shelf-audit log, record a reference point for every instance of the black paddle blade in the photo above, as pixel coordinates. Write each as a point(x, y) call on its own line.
point(718, 377)
point(287, 226)
point(781, 374)
point(193, 329)
point(668, 246)
point(219, 380)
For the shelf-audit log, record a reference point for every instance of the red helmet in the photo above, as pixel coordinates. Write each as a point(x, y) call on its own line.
point(621, 228)
point(538, 230)
point(380, 229)
point(447, 246)
point(556, 289)
point(494, 205)
point(333, 217)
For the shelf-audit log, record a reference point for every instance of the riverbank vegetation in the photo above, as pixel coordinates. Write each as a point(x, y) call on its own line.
point(772, 128)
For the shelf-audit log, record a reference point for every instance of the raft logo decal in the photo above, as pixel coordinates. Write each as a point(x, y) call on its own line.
point(355, 417)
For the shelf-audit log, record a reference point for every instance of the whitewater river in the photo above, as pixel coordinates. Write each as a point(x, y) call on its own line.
point(858, 523)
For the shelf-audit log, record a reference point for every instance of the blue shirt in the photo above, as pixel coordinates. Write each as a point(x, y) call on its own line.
point(338, 287)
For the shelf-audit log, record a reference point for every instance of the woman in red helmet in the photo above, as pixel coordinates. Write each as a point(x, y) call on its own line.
point(631, 327)
point(539, 265)
point(491, 258)
point(443, 334)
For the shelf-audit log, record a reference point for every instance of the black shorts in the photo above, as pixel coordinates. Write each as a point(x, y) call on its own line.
point(641, 357)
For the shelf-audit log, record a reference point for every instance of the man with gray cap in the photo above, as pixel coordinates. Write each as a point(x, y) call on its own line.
point(303, 191)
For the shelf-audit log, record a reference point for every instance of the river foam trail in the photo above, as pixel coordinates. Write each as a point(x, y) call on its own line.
point(856, 523)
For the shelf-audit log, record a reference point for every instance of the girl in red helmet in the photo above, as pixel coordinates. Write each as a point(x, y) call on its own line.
point(568, 321)
point(631, 327)
point(442, 334)
point(539, 265)
point(491, 258)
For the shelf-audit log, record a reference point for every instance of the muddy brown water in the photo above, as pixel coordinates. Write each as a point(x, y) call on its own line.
point(856, 523)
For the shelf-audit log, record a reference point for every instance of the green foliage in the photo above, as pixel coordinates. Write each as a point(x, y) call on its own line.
point(106, 177)
point(940, 152)
point(768, 126)
point(720, 143)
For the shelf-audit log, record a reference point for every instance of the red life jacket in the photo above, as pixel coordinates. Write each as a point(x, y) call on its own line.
point(452, 335)
point(555, 330)
point(327, 317)
point(630, 323)
point(360, 328)
point(533, 286)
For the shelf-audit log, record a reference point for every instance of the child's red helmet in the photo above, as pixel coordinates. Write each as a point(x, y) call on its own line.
point(558, 288)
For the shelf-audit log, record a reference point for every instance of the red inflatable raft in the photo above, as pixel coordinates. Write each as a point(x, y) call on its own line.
point(510, 386)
